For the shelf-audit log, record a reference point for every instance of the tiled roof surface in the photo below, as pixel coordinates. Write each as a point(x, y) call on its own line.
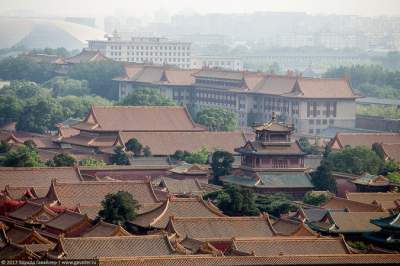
point(66, 220)
point(201, 260)
point(166, 143)
point(93, 210)
point(366, 139)
point(143, 118)
point(348, 222)
point(177, 207)
point(271, 84)
point(290, 227)
point(220, 74)
point(103, 229)
point(323, 88)
point(182, 186)
point(18, 234)
point(94, 192)
point(392, 151)
point(387, 199)
point(284, 179)
point(91, 141)
point(30, 209)
point(221, 227)
point(350, 205)
point(94, 247)
point(86, 57)
point(36, 177)
point(291, 246)
point(293, 148)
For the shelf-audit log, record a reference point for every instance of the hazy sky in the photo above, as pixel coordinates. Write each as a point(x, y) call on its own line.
point(148, 7)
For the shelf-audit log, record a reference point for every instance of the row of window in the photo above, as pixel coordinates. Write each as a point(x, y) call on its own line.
point(151, 54)
point(321, 121)
point(141, 47)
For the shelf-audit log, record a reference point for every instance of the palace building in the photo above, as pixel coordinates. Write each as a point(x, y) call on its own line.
point(273, 162)
point(311, 104)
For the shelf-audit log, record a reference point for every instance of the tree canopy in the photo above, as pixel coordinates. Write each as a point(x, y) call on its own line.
point(357, 160)
point(61, 160)
point(146, 97)
point(119, 208)
point(235, 201)
point(119, 157)
point(90, 162)
point(23, 156)
point(134, 146)
point(221, 164)
point(199, 156)
point(217, 119)
point(307, 147)
point(322, 178)
point(99, 76)
point(63, 86)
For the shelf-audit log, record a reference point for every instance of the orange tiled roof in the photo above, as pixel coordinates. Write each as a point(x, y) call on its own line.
point(138, 118)
point(289, 227)
point(365, 139)
point(32, 211)
point(178, 207)
point(201, 260)
point(222, 228)
point(275, 246)
point(322, 88)
point(354, 222)
point(37, 177)
point(166, 143)
point(103, 229)
point(337, 203)
point(187, 186)
point(86, 57)
point(388, 200)
point(93, 192)
point(95, 247)
point(67, 220)
point(392, 151)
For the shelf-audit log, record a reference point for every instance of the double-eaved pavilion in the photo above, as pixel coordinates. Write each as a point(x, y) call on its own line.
point(273, 162)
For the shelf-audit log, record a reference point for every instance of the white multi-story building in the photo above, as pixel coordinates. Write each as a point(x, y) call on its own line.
point(152, 50)
point(228, 63)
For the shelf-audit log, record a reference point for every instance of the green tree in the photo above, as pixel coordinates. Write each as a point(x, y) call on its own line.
point(221, 164)
point(134, 146)
point(99, 76)
point(10, 108)
point(322, 178)
point(217, 119)
point(62, 86)
point(119, 157)
point(275, 204)
point(357, 160)
point(307, 147)
point(78, 107)
point(4, 146)
point(236, 201)
point(90, 162)
point(40, 115)
point(25, 90)
point(146, 151)
point(24, 68)
point(199, 156)
point(146, 97)
point(22, 157)
point(61, 160)
point(316, 199)
point(179, 155)
point(119, 208)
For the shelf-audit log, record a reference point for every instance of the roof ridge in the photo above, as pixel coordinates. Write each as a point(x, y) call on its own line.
point(89, 238)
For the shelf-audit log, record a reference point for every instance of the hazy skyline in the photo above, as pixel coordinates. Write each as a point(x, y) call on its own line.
point(98, 8)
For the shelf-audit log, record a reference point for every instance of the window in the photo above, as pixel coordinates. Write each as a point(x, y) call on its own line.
point(278, 163)
point(311, 131)
point(324, 122)
point(331, 121)
point(318, 121)
point(311, 122)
